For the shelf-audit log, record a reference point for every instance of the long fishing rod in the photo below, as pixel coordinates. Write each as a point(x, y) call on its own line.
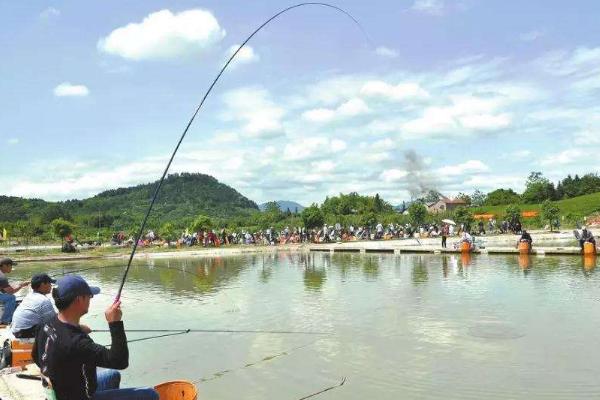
point(160, 183)
point(273, 332)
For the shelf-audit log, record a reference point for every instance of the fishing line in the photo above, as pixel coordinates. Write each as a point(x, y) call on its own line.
point(83, 270)
point(325, 390)
point(160, 182)
point(219, 374)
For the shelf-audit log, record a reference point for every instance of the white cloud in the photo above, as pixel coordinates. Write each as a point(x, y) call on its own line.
point(517, 154)
point(531, 35)
point(13, 141)
point(312, 148)
point(253, 107)
point(580, 61)
point(226, 137)
point(319, 115)
point(485, 121)
point(325, 166)
point(338, 145)
point(348, 109)
point(393, 175)
point(565, 157)
point(386, 52)
point(588, 137)
point(466, 113)
point(468, 167)
point(50, 12)
point(164, 35)
point(400, 92)
point(431, 7)
point(67, 89)
point(246, 55)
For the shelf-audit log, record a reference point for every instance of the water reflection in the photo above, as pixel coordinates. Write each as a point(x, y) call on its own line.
point(525, 263)
point(468, 316)
point(314, 278)
point(589, 262)
point(420, 274)
point(465, 259)
point(370, 267)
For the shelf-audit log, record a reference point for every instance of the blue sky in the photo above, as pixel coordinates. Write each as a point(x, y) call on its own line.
point(93, 95)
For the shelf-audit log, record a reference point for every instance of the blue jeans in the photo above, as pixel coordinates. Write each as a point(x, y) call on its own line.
point(108, 388)
point(10, 303)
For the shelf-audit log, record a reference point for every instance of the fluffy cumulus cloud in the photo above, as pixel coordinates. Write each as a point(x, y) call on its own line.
point(466, 168)
point(164, 35)
point(66, 89)
point(468, 121)
point(400, 92)
point(351, 108)
point(565, 157)
point(253, 107)
point(246, 55)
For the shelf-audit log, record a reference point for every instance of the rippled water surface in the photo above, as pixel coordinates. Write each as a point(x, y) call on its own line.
point(401, 326)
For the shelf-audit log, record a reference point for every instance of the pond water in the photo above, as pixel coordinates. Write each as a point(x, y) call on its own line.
point(400, 326)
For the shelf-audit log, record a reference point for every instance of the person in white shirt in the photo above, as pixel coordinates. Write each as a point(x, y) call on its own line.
point(35, 309)
point(466, 238)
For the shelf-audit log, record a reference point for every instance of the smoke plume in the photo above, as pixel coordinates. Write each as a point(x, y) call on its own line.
point(419, 180)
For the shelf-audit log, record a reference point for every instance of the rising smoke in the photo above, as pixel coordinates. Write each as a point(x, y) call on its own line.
point(419, 179)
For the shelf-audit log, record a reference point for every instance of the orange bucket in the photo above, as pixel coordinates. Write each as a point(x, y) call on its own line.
point(21, 353)
point(177, 390)
point(465, 247)
point(524, 247)
point(589, 248)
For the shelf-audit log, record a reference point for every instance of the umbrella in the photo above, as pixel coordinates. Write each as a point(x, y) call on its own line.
point(449, 222)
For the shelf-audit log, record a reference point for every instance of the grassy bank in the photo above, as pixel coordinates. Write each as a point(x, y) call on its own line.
point(577, 207)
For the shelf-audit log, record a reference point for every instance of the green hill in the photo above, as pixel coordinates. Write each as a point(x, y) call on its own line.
point(581, 206)
point(182, 197)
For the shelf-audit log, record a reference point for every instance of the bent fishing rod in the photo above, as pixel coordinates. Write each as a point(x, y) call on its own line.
point(210, 88)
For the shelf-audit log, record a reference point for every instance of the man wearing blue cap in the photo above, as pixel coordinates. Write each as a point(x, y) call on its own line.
point(7, 291)
point(35, 309)
point(68, 358)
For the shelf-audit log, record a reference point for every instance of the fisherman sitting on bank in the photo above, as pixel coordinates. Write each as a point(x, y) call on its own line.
point(68, 358)
point(35, 309)
point(7, 291)
point(465, 238)
point(586, 237)
point(525, 238)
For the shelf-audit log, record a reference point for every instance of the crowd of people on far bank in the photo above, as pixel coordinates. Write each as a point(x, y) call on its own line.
point(339, 233)
point(328, 233)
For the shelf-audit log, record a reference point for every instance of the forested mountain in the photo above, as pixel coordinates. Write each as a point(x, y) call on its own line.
point(182, 197)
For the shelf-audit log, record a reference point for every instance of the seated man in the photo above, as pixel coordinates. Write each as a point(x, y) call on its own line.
point(68, 358)
point(525, 237)
point(35, 309)
point(7, 291)
point(586, 237)
point(465, 238)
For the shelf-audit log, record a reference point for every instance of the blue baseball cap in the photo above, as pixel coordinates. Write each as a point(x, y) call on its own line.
point(75, 285)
